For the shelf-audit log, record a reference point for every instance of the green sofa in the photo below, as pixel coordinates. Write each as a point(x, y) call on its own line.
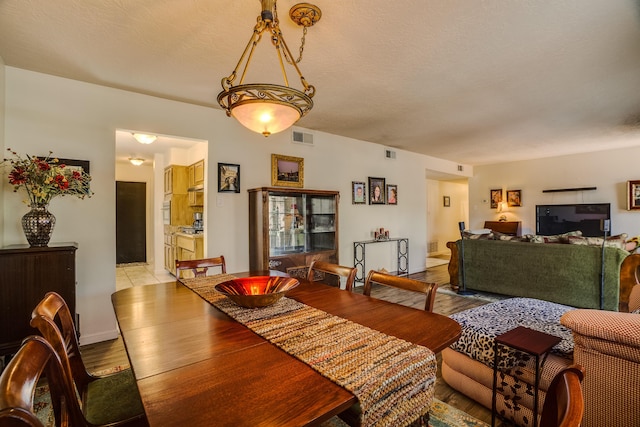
point(562, 273)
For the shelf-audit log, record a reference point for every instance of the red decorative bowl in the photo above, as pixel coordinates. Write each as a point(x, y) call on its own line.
point(256, 291)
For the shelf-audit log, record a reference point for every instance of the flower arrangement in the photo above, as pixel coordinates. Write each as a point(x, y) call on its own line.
point(45, 178)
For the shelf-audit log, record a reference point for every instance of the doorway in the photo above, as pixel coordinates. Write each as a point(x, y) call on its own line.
point(131, 236)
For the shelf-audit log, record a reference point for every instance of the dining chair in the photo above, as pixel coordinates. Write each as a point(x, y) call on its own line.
point(34, 359)
point(105, 400)
point(564, 403)
point(429, 289)
point(199, 267)
point(320, 268)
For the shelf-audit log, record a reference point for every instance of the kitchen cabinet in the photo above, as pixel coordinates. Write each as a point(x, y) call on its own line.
point(196, 174)
point(26, 275)
point(291, 227)
point(188, 247)
point(175, 180)
point(170, 252)
point(196, 199)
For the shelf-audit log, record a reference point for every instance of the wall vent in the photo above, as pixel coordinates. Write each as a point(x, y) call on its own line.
point(460, 168)
point(389, 154)
point(432, 247)
point(302, 137)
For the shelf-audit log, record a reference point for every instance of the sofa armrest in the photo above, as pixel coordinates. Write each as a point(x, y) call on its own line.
point(607, 332)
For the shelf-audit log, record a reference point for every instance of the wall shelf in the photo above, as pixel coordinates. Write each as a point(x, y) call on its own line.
point(560, 190)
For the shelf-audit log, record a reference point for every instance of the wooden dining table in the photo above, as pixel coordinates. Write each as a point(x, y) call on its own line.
point(196, 366)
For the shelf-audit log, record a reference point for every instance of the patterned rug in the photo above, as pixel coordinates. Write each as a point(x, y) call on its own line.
point(440, 415)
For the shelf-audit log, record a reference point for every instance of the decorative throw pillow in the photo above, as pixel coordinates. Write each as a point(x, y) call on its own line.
point(618, 241)
point(555, 238)
point(477, 236)
point(508, 238)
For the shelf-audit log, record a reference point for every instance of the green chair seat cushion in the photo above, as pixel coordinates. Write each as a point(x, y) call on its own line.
point(113, 398)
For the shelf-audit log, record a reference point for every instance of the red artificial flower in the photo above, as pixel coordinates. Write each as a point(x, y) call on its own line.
point(17, 176)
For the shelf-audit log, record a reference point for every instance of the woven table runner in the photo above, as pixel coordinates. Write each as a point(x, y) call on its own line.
point(394, 380)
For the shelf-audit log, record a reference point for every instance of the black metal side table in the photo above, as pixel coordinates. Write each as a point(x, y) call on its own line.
point(526, 340)
point(359, 256)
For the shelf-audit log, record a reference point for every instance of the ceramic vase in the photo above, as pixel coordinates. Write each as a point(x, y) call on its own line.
point(38, 225)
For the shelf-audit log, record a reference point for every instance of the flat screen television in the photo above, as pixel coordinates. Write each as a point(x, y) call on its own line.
point(558, 219)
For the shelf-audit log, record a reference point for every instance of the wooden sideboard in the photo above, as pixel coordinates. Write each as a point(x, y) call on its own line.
point(26, 275)
point(512, 228)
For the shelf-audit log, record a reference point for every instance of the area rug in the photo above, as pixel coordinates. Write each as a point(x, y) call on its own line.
point(440, 415)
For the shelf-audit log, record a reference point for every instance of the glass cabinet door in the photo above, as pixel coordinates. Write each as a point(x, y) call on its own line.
point(301, 223)
point(286, 224)
point(322, 223)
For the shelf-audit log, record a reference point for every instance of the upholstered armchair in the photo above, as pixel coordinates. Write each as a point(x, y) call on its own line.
point(607, 345)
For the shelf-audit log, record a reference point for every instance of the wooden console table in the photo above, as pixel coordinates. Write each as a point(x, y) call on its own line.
point(512, 228)
point(359, 257)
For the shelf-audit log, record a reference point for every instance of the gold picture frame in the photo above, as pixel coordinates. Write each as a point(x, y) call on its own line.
point(633, 195)
point(287, 171)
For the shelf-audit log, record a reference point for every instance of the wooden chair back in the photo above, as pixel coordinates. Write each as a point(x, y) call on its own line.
point(349, 273)
point(53, 320)
point(429, 289)
point(564, 404)
point(20, 378)
point(199, 267)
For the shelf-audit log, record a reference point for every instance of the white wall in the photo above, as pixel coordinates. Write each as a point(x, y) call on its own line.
point(125, 171)
point(78, 120)
point(607, 170)
point(442, 221)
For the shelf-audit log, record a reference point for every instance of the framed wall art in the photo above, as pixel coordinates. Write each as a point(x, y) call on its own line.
point(633, 195)
point(496, 197)
point(514, 197)
point(392, 194)
point(228, 178)
point(376, 191)
point(358, 193)
point(81, 166)
point(287, 171)
point(446, 201)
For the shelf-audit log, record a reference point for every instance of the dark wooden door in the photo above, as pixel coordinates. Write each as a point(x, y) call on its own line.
point(131, 222)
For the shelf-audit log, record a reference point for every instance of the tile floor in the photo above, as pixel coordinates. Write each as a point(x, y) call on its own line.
point(139, 274)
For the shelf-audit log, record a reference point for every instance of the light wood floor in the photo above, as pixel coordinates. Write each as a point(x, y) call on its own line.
point(112, 353)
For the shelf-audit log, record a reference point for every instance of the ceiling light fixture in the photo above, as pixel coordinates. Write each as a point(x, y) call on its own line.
point(144, 138)
point(136, 162)
point(269, 108)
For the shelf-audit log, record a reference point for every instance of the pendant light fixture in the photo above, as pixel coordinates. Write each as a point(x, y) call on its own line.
point(264, 107)
point(144, 138)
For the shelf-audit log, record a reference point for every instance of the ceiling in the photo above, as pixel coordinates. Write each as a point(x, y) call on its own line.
point(475, 82)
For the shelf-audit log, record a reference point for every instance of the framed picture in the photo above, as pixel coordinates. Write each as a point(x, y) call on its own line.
point(633, 195)
point(496, 197)
point(376, 191)
point(358, 193)
point(287, 171)
point(79, 165)
point(446, 201)
point(514, 197)
point(392, 194)
point(228, 178)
